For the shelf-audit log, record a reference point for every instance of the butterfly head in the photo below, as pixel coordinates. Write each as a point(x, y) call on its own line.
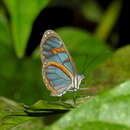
point(77, 81)
point(80, 78)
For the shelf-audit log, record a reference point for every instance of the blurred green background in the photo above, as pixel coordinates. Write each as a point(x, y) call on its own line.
point(94, 32)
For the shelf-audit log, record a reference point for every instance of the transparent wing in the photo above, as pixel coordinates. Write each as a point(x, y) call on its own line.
point(58, 69)
point(57, 79)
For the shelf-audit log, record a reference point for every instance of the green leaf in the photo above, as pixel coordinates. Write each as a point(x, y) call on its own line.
point(12, 117)
point(108, 20)
point(23, 14)
point(8, 107)
point(92, 10)
point(113, 71)
point(80, 41)
point(51, 105)
point(109, 110)
point(15, 116)
point(22, 78)
point(5, 38)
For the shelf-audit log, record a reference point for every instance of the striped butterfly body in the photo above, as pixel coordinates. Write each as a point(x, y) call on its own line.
point(59, 73)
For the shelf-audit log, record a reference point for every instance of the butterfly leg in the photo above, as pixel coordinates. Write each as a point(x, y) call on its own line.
point(74, 97)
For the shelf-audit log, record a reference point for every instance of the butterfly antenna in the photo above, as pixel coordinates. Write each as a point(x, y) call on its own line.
point(93, 59)
point(85, 62)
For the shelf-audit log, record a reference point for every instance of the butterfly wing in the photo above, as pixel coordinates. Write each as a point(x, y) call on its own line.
point(58, 70)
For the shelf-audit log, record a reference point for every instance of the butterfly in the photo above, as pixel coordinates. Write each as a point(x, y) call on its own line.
point(58, 71)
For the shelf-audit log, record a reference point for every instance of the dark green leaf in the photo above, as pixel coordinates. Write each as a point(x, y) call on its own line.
point(108, 20)
point(13, 117)
point(23, 14)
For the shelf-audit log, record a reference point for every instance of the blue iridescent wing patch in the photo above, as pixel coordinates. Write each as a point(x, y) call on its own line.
point(58, 70)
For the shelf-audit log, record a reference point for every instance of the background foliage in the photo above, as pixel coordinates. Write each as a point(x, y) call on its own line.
point(90, 34)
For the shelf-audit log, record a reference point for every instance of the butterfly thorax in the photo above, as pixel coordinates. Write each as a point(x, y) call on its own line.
point(76, 81)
